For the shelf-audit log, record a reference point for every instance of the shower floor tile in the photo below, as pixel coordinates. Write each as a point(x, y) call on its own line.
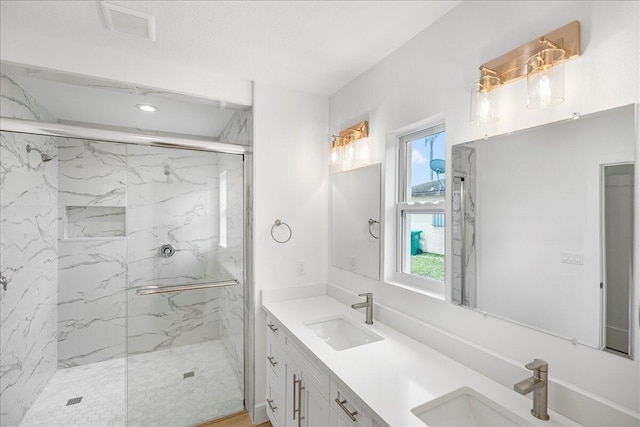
point(159, 393)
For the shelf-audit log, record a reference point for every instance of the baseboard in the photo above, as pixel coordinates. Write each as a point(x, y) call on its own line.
point(260, 414)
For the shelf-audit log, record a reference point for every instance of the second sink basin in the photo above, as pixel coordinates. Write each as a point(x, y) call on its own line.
point(466, 407)
point(341, 333)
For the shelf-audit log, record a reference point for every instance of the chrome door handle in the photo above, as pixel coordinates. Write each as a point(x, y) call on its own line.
point(271, 360)
point(4, 282)
point(270, 403)
point(341, 403)
point(272, 327)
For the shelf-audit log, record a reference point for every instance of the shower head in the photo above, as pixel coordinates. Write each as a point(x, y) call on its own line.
point(43, 156)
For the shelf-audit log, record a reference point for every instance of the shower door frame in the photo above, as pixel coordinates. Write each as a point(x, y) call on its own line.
point(185, 143)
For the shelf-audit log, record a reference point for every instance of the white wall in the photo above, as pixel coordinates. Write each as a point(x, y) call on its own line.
point(290, 183)
point(430, 76)
point(30, 47)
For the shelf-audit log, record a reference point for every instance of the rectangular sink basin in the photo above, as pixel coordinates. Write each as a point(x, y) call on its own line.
point(341, 333)
point(466, 407)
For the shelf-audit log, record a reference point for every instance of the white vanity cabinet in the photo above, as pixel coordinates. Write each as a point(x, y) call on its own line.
point(306, 405)
point(275, 374)
point(297, 388)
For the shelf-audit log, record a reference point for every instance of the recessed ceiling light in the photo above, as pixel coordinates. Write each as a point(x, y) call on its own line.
point(148, 108)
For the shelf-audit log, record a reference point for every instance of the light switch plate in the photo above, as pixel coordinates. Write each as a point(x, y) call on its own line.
point(572, 258)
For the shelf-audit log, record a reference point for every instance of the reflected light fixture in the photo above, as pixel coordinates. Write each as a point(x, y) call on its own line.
point(147, 108)
point(344, 148)
point(541, 61)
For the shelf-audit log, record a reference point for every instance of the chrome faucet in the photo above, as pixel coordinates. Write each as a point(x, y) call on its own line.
point(538, 384)
point(368, 304)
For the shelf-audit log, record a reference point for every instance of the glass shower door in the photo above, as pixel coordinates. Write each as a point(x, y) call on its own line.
point(184, 227)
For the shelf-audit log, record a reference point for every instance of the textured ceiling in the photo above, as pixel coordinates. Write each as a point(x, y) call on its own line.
point(315, 46)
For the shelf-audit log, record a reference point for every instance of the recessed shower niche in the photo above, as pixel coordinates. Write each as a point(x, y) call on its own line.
point(94, 222)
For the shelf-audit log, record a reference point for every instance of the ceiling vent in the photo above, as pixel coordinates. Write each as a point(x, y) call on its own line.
point(127, 21)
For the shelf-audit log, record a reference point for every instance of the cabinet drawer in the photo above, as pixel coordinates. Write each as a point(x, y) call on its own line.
point(347, 409)
point(275, 360)
point(275, 333)
point(275, 400)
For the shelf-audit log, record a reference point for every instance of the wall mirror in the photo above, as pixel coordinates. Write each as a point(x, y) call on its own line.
point(542, 225)
point(355, 216)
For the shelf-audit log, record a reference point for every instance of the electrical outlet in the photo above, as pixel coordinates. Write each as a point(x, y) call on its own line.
point(352, 263)
point(301, 268)
point(572, 258)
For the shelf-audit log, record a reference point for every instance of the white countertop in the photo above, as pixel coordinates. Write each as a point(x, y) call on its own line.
point(396, 374)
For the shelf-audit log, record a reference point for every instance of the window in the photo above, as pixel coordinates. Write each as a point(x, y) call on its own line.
point(420, 209)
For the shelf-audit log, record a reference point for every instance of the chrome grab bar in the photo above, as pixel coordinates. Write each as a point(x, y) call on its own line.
point(341, 403)
point(154, 289)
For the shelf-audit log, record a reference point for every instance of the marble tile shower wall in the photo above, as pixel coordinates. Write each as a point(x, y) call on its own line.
point(92, 270)
point(173, 198)
point(239, 130)
point(232, 261)
point(28, 258)
point(169, 197)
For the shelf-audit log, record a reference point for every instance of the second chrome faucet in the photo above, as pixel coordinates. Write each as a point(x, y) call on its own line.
point(368, 304)
point(538, 384)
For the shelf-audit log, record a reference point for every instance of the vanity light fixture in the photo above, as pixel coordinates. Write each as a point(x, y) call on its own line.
point(545, 76)
point(147, 108)
point(540, 61)
point(482, 101)
point(343, 148)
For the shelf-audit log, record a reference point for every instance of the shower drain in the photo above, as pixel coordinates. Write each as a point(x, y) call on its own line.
point(74, 401)
point(188, 374)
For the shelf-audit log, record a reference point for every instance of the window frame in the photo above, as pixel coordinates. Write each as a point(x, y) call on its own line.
point(404, 207)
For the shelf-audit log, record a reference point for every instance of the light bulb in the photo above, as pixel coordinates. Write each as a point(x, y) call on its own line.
point(544, 91)
point(348, 151)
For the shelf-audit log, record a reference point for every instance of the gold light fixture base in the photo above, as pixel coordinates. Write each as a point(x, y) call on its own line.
point(354, 133)
point(513, 65)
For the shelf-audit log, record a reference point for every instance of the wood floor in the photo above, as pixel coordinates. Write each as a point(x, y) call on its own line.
point(237, 420)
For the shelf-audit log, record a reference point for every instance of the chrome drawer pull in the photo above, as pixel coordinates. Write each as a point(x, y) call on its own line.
point(270, 359)
point(272, 327)
point(270, 403)
point(344, 408)
point(295, 381)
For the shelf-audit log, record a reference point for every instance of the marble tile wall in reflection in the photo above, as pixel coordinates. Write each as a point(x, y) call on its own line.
point(464, 227)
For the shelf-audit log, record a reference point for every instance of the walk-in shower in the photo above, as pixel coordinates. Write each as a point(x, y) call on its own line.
point(124, 267)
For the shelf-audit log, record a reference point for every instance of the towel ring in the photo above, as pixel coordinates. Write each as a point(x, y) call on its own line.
point(371, 222)
point(278, 223)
